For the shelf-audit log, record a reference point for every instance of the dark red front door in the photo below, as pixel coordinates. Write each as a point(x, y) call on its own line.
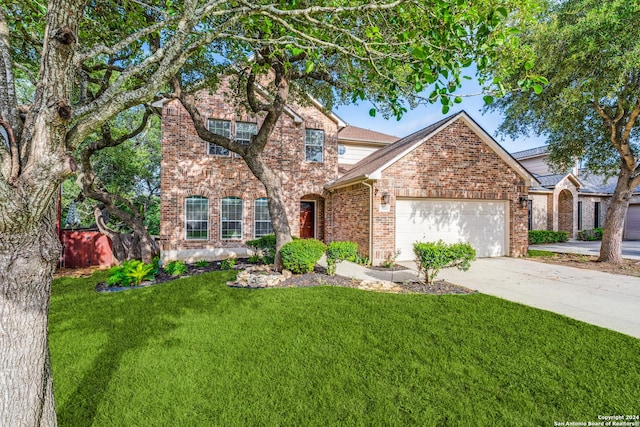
point(307, 225)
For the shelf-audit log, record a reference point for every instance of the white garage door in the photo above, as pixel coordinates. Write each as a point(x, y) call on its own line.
point(482, 223)
point(632, 226)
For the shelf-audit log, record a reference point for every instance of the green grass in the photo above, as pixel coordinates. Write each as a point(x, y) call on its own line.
point(195, 353)
point(537, 252)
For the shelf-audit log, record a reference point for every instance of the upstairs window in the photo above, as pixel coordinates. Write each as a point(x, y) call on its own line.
point(314, 145)
point(196, 212)
point(222, 128)
point(262, 218)
point(244, 132)
point(231, 218)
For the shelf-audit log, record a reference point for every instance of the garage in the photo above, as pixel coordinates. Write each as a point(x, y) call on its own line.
point(632, 225)
point(482, 223)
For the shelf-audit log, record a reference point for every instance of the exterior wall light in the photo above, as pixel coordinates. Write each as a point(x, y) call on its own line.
point(385, 198)
point(524, 201)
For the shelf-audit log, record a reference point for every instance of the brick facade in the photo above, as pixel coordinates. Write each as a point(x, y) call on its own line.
point(189, 170)
point(453, 164)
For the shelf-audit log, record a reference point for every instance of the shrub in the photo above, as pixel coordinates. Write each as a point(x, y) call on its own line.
point(175, 268)
point(390, 261)
point(362, 260)
point(227, 264)
point(265, 246)
point(547, 236)
point(590, 235)
point(202, 263)
point(300, 256)
point(432, 257)
point(340, 251)
point(132, 272)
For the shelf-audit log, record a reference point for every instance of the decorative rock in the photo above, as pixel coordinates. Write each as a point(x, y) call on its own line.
point(258, 276)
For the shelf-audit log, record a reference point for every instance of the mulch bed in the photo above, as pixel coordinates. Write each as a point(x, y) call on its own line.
point(318, 278)
point(628, 267)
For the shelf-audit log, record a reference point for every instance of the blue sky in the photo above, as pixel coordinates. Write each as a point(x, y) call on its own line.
point(423, 116)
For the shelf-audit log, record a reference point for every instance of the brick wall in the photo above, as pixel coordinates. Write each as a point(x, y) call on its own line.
point(348, 216)
point(188, 170)
point(454, 164)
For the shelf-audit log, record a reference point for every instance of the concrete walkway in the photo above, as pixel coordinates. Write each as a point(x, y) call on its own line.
point(607, 300)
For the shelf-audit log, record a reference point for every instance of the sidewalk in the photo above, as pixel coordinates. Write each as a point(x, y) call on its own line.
point(607, 300)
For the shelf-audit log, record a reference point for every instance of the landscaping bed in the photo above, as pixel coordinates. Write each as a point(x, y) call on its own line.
point(628, 267)
point(318, 277)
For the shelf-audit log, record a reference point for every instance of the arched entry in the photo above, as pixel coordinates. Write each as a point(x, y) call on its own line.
point(565, 212)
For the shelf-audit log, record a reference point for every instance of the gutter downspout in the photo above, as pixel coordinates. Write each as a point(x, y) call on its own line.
point(370, 221)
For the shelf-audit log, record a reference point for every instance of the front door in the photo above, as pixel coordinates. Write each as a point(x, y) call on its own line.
point(307, 220)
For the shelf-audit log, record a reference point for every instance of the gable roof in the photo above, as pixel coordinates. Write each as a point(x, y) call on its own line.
point(550, 181)
point(531, 152)
point(357, 134)
point(371, 167)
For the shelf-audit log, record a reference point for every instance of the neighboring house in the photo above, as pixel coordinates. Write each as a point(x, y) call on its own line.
point(571, 201)
point(450, 181)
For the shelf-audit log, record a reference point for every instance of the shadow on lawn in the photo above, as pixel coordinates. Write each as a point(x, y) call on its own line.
point(129, 320)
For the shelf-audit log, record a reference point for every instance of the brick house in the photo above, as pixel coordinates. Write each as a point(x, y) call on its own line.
point(340, 183)
point(574, 200)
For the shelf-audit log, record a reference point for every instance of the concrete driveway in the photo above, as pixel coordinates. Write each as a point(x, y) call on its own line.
point(608, 300)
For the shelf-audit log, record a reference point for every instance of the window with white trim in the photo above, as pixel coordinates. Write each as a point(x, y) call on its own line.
point(244, 132)
point(196, 214)
point(262, 219)
point(314, 145)
point(231, 218)
point(222, 128)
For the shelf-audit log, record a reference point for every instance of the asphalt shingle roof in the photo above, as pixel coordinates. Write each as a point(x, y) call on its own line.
point(361, 134)
point(379, 158)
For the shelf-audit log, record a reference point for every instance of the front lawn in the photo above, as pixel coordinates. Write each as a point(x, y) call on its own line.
point(194, 352)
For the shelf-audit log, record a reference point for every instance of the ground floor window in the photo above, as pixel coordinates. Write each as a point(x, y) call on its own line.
point(579, 215)
point(197, 218)
point(231, 218)
point(262, 222)
point(530, 214)
point(596, 215)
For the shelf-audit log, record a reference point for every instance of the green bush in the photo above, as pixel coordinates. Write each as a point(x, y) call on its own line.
point(175, 268)
point(340, 251)
point(265, 246)
point(300, 256)
point(202, 263)
point(547, 236)
point(432, 257)
point(130, 273)
point(227, 264)
point(590, 235)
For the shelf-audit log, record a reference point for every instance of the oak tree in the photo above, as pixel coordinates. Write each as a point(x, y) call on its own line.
point(590, 53)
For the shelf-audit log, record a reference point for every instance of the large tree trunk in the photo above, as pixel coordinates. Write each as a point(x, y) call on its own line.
point(27, 263)
point(611, 247)
point(277, 207)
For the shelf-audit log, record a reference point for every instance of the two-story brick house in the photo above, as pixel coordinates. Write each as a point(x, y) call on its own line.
point(340, 183)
